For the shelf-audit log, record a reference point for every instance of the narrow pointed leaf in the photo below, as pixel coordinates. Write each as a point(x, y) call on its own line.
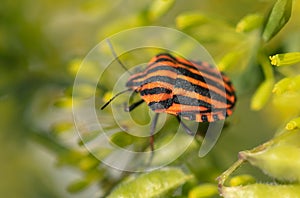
point(279, 16)
point(159, 8)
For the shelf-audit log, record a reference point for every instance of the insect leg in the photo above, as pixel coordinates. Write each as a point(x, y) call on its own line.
point(133, 106)
point(152, 130)
point(185, 127)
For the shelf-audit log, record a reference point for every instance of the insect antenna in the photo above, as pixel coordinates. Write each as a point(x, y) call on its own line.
point(107, 103)
point(116, 57)
point(134, 105)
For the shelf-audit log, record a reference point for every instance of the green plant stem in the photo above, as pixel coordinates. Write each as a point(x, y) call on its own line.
point(265, 64)
point(223, 177)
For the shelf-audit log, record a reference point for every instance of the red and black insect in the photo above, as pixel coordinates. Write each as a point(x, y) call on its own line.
point(186, 89)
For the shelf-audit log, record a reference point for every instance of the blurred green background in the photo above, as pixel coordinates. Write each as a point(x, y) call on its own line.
point(40, 41)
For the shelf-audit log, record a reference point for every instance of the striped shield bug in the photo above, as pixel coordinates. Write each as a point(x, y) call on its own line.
point(190, 90)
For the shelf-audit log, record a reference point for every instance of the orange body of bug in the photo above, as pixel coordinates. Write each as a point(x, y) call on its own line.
point(194, 91)
point(186, 89)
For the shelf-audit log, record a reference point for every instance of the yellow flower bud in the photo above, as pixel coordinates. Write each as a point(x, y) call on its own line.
point(285, 59)
point(84, 90)
point(241, 180)
point(293, 124)
point(230, 59)
point(65, 102)
point(291, 84)
point(262, 95)
point(281, 86)
point(107, 96)
point(249, 23)
point(61, 127)
point(204, 190)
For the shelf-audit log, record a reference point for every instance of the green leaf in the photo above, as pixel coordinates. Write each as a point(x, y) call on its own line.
point(262, 191)
point(88, 162)
point(78, 186)
point(87, 137)
point(153, 184)
point(159, 8)
point(281, 161)
point(278, 17)
point(70, 157)
point(190, 19)
point(122, 139)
